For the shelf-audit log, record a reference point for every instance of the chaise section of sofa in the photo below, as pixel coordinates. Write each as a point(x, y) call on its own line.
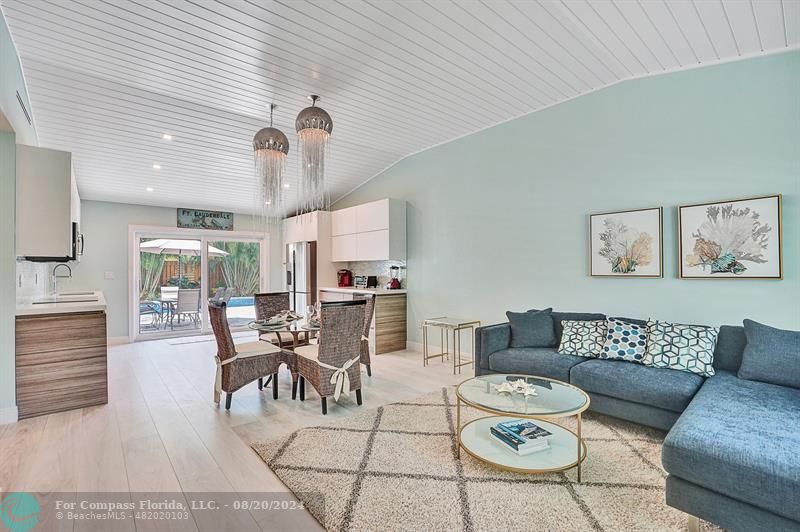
point(737, 442)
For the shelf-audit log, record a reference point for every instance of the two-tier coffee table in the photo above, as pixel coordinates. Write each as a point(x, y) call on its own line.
point(553, 400)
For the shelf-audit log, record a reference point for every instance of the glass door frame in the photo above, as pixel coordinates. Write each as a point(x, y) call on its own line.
point(206, 236)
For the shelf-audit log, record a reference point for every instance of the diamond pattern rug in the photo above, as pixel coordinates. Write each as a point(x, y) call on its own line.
point(395, 468)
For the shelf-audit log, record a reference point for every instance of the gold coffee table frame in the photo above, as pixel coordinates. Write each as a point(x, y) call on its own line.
point(580, 452)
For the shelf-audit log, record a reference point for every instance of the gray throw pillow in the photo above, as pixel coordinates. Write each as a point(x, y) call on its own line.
point(771, 355)
point(532, 329)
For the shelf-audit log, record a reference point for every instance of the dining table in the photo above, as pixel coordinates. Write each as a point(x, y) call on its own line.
point(301, 331)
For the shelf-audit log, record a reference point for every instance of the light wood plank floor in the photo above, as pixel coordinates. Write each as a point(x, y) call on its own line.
point(161, 431)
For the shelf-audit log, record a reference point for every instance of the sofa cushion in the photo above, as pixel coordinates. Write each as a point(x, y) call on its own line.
point(682, 347)
point(772, 355)
point(583, 338)
point(624, 341)
point(730, 346)
point(668, 389)
point(540, 361)
point(739, 438)
point(558, 317)
point(532, 329)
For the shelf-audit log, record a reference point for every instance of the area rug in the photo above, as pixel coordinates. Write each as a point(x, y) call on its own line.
point(395, 468)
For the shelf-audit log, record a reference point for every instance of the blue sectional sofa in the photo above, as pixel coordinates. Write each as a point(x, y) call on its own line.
point(732, 449)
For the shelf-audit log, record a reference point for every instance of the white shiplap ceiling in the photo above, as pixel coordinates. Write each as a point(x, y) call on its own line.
point(107, 78)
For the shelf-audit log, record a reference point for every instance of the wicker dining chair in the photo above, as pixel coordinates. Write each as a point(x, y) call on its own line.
point(241, 364)
point(337, 354)
point(268, 305)
point(369, 311)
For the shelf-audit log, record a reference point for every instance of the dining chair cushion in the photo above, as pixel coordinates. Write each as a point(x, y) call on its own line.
point(310, 352)
point(252, 349)
point(271, 337)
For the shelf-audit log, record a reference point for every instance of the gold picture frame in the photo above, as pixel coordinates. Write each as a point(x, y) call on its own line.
point(758, 217)
point(641, 223)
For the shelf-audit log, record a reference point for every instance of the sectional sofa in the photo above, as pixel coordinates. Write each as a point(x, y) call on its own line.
point(732, 450)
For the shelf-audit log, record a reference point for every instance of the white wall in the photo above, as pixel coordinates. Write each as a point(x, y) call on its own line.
point(105, 229)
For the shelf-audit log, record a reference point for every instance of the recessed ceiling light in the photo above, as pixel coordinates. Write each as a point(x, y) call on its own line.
point(286, 185)
point(149, 189)
point(166, 136)
point(156, 166)
point(267, 202)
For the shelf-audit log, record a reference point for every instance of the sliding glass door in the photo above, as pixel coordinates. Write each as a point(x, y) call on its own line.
point(175, 272)
point(234, 268)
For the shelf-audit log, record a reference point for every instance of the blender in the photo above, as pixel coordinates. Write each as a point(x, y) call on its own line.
point(394, 281)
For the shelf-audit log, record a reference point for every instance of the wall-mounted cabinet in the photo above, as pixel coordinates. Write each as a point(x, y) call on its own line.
point(48, 205)
point(371, 231)
point(312, 227)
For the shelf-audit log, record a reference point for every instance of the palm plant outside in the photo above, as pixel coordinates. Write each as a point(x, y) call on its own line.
point(239, 269)
point(151, 267)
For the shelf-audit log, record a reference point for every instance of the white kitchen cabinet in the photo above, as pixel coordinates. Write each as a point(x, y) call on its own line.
point(302, 228)
point(343, 222)
point(373, 216)
point(344, 248)
point(371, 231)
point(47, 204)
point(373, 245)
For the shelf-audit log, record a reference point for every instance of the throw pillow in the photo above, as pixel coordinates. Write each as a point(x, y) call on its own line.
point(583, 338)
point(682, 347)
point(624, 341)
point(532, 329)
point(771, 355)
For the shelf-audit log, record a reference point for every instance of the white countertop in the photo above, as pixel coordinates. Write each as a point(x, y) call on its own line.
point(353, 290)
point(26, 307)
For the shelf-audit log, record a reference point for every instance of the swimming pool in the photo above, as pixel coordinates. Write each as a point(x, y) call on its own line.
point(241, 301)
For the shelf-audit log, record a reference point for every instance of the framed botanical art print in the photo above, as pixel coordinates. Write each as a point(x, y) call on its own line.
point(627, 243)
point(739, 239)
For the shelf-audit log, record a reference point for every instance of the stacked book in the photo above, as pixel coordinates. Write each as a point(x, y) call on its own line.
point(521, 436)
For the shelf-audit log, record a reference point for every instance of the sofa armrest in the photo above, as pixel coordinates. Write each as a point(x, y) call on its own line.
point(488, 340)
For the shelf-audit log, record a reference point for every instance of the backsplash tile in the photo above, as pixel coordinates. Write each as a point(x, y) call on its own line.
point(31, 279)
point(379, 268)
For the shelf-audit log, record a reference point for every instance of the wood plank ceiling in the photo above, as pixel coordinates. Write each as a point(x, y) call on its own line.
point(108, 78)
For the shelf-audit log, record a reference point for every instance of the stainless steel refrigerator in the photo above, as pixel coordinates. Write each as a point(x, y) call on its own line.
point(301, 275)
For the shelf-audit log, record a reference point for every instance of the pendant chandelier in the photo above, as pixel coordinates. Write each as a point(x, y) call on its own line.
point(270, 147)
point(314, 126)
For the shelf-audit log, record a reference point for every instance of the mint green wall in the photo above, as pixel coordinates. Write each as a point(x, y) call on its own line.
point(105, 226)
point(498, 220)
point(11, 116)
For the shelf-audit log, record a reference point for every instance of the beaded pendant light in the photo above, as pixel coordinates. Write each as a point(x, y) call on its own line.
point(314, 126)
point(270, 147)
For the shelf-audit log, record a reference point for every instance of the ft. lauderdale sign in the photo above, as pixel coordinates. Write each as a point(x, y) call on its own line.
point(199, 219)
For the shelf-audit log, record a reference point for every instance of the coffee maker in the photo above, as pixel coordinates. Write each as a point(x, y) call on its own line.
point(345, 278)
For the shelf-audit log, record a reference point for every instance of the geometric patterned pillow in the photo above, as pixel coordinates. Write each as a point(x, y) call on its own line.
point(582, 338)
point(624, 341)
point(683, 347)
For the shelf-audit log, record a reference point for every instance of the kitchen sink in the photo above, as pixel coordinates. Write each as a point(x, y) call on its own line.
point(74, 293)
point(64, 299)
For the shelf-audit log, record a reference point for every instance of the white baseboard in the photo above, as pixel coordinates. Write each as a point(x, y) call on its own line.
point(118, 340)
point(9, 414)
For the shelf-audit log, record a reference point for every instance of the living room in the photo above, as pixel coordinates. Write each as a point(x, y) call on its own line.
point(577, 218)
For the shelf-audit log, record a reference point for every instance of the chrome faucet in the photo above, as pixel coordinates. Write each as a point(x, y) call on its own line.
point(56, 277)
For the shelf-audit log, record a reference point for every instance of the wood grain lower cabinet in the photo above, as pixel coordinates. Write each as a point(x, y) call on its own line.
point(61, 362)
point(390, 323)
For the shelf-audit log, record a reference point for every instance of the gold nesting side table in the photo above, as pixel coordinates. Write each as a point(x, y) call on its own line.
point(449, 327)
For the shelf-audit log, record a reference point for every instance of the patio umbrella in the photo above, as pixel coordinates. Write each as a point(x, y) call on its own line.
point(172, 246)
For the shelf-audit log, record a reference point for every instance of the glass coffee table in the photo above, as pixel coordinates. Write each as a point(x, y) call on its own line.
point(553, 400)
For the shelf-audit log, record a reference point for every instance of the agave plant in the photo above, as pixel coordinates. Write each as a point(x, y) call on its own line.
point(727, 238)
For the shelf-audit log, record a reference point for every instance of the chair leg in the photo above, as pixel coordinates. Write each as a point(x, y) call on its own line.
point(369, 370)
point(294, 389)
point(324, 406)
point(260, 383)
point(302, 388)
point(358, 396)
point(274, 385)
point(228, 397)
